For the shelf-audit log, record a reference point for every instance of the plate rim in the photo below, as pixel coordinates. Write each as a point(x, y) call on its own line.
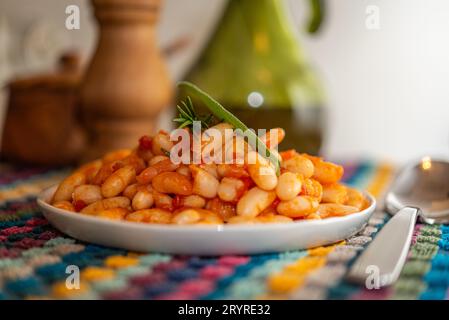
point(48, 192)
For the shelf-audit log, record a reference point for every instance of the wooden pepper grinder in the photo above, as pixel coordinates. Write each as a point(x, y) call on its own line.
point(126, 85)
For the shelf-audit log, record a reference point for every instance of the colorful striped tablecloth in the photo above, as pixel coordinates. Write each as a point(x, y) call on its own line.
point(34, 257)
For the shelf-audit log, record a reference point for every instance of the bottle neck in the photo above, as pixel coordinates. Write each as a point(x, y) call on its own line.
point(265, 22)
point(275, 8)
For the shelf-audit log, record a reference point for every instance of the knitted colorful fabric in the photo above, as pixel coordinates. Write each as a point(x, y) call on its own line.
point(36, 260)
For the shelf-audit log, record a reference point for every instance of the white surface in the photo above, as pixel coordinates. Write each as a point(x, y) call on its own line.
point(386, 88)
point(204, 240)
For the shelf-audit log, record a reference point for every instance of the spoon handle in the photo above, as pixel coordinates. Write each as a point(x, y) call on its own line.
point(381, 263)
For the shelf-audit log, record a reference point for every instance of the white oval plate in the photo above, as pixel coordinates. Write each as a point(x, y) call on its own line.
point(204, 240)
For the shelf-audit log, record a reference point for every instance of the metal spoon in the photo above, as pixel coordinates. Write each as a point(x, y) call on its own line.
point(420, 190)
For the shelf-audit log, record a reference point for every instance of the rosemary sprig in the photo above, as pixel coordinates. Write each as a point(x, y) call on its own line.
point(223, 114)
point(187, 115)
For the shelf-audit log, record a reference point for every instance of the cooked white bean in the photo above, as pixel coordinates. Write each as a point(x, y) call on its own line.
point(254, 202)
point(188, 216)
point(185, 171)
point(161, 144)
point(230, 188)
point(142, 200)
point(162, 201)
point(172, 182)
point(326, 210)
point(194, 201)
point(90, 170)
point(289, 186)
point(325, 172)
point(298, 207)
point(115, 202)
point(236, 149)
point(157, 159)
point(273, 137)
point(299, 164)
point(232, 171)
point(87, 193)
point(210, 168)
point(154, 215)
point(208, 142)
point(204, 184)
point(355, 199)
point(131, 190)
point(311, 187)
point(66, 187)
point(334, 193)
point(209, 217)
point(64, 205)
point(118, 181)
point(261, 171)
point(197, 216)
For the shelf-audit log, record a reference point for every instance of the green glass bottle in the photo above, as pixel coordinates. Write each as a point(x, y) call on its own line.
point(253, 65)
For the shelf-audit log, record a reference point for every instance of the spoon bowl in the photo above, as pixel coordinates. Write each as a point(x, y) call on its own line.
point(423, 185)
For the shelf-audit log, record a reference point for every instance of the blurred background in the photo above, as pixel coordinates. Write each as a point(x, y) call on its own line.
point(382, 65)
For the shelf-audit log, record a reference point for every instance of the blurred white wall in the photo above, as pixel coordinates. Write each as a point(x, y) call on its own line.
point(388, 89)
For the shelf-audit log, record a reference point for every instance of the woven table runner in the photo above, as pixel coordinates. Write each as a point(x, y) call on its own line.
point(36, 259)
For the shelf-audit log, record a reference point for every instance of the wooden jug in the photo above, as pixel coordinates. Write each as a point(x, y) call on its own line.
point(126, 85)
point(41, 126)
